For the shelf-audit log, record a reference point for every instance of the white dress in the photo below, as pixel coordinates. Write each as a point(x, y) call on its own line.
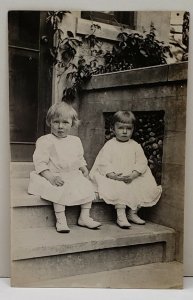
point(124, 157)
point(63, 157)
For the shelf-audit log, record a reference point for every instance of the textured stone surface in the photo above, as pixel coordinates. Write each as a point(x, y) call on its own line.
point(172, 180)
point(156, 275)
point(39, 254)
point(174, 147)
point(134, 90)
point(46, 241)
point(43, 216)
point(177, 71)
point(50, 267)
point(21, 169)
point(132, 77)
point(155, 74)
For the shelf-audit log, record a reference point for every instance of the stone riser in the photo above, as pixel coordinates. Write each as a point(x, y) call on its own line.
point(43, 216)
point(21, 169)
point(32, 270)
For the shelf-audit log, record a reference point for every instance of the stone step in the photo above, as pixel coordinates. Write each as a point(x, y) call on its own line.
point(32, 211)
point(21, 198)
point(43, 216)
point(42, 253)
point(21, 169)
point(168, 275)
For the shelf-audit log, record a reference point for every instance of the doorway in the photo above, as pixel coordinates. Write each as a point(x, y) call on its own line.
point(30, 80)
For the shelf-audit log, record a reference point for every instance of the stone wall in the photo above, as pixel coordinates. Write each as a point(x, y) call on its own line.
point(107, 36)
point(148, 89)
point(145, 18)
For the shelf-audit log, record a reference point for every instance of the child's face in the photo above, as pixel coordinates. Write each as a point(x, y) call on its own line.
point(61, 126)
point(123, 131)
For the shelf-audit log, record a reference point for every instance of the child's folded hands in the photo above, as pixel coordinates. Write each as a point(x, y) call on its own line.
point(125, 178)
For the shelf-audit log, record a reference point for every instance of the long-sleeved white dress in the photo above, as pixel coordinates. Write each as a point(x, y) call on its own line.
point(124, 157)
point(63, 157)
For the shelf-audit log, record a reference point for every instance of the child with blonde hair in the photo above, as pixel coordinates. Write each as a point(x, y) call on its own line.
point(61, 175)
point(121, 173)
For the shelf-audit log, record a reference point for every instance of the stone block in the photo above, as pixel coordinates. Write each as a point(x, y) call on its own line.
point(20, 154)
point(128, 78)
point(179, 248)
point(174, 147)
point(153, 91)
point(21, 169)
point(181, 88)
point(164, 213)
point(178, 71)
point(40, 253)
point(43, 216)
point(181, 113)
point(25, 272)
point(167, 275)
point(173, 185)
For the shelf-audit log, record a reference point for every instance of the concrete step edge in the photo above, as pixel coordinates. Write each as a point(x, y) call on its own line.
point(21, 169)
point(21, 198)
point(42, 242)
point(170, 275)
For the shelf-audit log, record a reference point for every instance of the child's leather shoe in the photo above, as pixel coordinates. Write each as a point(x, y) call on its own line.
point(88, 222)
point(121, 219)
point(133, 217)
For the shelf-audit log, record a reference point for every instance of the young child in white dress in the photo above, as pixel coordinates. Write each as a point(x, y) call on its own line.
point(121, 173)
point(61, 175)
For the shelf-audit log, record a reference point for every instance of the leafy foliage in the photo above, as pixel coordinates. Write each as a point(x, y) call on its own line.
point(129, 51)
point(135, 51)
point(78, 76)
point(182, 45)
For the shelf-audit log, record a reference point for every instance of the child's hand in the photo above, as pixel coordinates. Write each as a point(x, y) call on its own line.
point(115, 176)
point(84, 171)
point(129, 178)
point(56, 180)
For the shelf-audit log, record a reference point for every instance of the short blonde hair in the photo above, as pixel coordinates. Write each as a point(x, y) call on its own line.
point(62, 109)
point(124, 116)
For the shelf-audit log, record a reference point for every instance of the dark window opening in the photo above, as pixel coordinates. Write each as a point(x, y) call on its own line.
point(117, 18)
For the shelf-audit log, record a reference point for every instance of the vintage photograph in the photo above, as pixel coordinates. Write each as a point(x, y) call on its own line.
point(97, 136)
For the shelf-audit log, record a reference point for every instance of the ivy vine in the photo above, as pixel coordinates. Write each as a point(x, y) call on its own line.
point(128, 52)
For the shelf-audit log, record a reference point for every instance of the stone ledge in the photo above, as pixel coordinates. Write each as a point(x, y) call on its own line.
point(178, 71)
point(42, 242)
point(107, 32)
point(156, 275)
point(141, 76)
point(21, 198)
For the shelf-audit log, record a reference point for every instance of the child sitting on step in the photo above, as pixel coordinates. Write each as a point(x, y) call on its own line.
point(122, 175)
point(61, 175)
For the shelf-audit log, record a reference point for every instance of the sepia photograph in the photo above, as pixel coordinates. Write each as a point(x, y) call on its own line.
point(97, 109)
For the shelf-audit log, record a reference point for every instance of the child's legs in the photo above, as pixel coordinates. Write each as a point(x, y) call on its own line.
point(122, 206)
point(86, 205)
point(85, 220)
point(61, 224)
point(121, 216)
point(58, 207)
point(133, 217)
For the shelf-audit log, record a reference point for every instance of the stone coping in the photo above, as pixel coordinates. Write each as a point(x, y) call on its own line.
point(140, 76)
point(41, 242)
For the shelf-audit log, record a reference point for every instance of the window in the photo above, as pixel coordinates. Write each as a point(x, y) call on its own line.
point(125, 18)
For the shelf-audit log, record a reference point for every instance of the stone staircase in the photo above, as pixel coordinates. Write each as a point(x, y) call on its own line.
point(39, 253)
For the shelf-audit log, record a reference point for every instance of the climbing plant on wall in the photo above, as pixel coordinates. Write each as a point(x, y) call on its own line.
point(182, 44)
point(129, 51)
